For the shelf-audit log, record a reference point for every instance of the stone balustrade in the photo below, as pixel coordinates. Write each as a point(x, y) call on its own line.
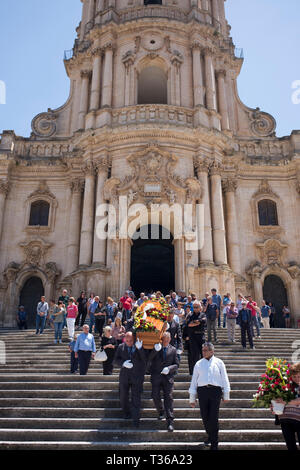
point(160, 114)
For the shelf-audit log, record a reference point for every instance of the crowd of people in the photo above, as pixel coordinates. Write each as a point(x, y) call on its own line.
point(193, 325)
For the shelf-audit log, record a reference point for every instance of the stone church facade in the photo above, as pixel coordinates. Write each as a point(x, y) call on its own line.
point(153, 114)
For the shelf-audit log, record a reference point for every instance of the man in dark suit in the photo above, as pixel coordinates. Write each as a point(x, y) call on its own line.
point(175, 332)
point(244, 319)
point(196, 331)
point(132, 360)
point(163, 368)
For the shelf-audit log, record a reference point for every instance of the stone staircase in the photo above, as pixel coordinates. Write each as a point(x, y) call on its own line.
point(43, 406)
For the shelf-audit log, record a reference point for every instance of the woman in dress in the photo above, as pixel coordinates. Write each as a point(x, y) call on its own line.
point(118, 330)
point(109, 345)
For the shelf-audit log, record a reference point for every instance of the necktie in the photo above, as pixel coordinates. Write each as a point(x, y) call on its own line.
point(130, 352)
point(164, 353)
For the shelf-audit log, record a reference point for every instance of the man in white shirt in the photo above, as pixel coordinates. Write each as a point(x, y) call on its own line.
point(210, 383)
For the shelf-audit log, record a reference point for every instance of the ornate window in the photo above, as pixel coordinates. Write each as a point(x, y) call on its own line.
point(39, 213)
point(267, 212)
point(40, 208)
point(152, 86)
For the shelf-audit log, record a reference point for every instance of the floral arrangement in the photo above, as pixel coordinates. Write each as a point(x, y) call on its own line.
point(276, 383)
point(151, 309)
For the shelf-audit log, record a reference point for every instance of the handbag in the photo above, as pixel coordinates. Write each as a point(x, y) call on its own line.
point(100, 356)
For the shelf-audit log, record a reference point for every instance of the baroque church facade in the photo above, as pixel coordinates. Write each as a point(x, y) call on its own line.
point(154, 115)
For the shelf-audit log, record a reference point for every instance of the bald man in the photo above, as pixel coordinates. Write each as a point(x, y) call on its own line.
point(130, 356)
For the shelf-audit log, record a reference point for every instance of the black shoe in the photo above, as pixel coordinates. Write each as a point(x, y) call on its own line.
point(170, 428)
point(136, 424)
point(161, 416)
point(207, 443)
point(126, 416)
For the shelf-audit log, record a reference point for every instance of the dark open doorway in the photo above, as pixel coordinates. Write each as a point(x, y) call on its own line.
point(30, 295)
point(274, 291)
point(152, 261)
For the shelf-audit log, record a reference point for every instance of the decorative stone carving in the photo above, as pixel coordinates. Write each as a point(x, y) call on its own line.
point(43, 191)
point(294, 270)
point(262, 124)
point(265, 190)
point(52, 271)
point(271, 252)
point(35, 251)
point(229, 185)
point(77, 185)
point(44, 124)
point(11, 272)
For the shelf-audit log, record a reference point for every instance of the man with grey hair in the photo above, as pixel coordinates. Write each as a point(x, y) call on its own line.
point(210, 383)
point(164, 365)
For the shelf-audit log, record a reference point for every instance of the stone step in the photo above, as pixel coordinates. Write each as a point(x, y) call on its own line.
point(102, 402)
point(62, 377)
point(139, 435)
point(79, 412)
point(129, 446)
point(89, 394)
point(12, 386)
point(117, 423)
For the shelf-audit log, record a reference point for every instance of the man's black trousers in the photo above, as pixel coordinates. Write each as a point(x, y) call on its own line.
point(209, 401)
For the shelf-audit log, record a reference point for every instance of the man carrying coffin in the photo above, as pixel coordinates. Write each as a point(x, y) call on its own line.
point(132, 360)
point(164, 365)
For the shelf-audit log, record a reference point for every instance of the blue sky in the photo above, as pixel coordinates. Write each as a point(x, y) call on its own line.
point(35, 33)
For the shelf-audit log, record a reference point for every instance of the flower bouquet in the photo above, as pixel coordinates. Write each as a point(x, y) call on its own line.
point(276, 384)
point(151, 322)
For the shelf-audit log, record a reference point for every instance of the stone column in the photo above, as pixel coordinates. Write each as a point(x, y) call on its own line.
point(84, 97)
point(175, 80)
point(233, 244)
point(197, 75)
point(215, 12)
point(91, 10)
point(96, 79)
point(222, 17)
point(87, 225)
point(129, 85)
point(179, 246)
point(218, 223)
point(221, 74)
point(99, 251)
point(206, 253)
point(77, 186)
point(4, 188)
point(83, 18)
point(107, 77)
point(258, 288)
point(210, 80)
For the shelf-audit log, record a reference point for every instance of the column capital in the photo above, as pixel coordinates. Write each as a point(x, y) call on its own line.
point(88, 168)
point(109, 46)
point(229, 185)
point(97, 52)
point(101, 164)
point(201, 165)
point(4, 187)
point(216, 168)
point(221, 73)
point(196, 45)
point(208, 51)
point(76, 185)
point(85, 73)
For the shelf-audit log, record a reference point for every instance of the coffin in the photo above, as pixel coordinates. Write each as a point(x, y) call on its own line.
point(150, 338)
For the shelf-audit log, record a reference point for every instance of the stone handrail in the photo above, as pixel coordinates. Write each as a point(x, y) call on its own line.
point(153, 113)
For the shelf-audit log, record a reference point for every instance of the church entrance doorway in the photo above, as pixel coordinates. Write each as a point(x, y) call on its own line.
point(152, 260)
point(274, 291)
point(30, 295)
